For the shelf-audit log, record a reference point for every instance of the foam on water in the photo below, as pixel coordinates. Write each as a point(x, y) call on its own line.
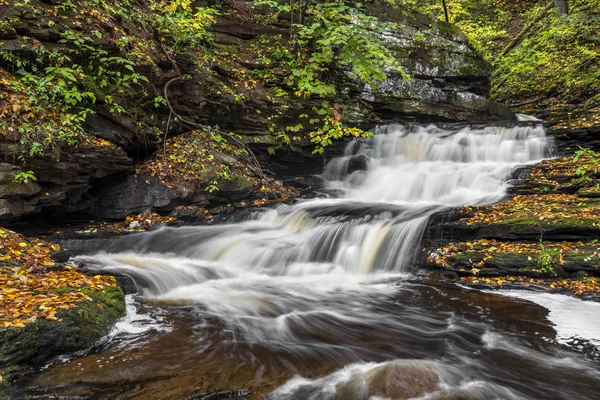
point(400, 379)
point(572, 318)
point(136, 323)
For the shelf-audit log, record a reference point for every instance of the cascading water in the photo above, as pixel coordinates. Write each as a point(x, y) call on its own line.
point(389, 186)
point(324, 285)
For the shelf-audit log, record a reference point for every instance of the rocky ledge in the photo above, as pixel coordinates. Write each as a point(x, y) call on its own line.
point(546, 235)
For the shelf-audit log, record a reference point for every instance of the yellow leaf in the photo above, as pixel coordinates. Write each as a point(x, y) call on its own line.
point(23, 244)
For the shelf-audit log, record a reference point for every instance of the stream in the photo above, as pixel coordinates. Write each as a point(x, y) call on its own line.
point(321, 299)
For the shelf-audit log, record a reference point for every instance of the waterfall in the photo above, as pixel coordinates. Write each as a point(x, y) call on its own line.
point(322, 289)
point(386, 188)
point(428, 164)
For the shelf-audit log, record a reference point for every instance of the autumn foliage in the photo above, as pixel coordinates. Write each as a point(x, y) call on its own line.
point(554, 198)
point(538, 209)
point(29, 291)
point(578, 286)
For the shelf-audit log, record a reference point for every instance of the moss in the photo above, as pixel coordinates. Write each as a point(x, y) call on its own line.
point(78, 329)
point(533, 220)
point(7, 373)
point(595, 194)
point(493, 258)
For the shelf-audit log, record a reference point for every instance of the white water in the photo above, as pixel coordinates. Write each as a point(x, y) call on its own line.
point(311, 278)
point(289, 259)
point(405, 174)
point(525, 117)
point(428, 165)
point(574, 319)
point(135, 323)
point(401, 379)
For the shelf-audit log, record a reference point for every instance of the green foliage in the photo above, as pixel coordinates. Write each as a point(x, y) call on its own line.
point(24, 177)
point(485, 22)
point(545, 260)
point(560, 56)
point(62, 85)
point(59, 95)
point(332, 34)
point(545, 63)
point(332, 128)
point(588, 165)
point(184, 24)
point(329, 39)
point(159, 101)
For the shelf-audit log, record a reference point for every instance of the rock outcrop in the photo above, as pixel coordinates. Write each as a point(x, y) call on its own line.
point(449, 82)
point(79, 329)
point(550, 228)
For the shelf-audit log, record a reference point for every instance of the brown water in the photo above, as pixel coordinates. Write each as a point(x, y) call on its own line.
point(503, 347)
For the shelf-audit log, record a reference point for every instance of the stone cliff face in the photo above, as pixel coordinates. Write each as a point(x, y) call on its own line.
point(449, 82)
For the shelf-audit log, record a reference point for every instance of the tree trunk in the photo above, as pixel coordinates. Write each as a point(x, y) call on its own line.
point(446, 10)
point(303, 8)
point(562, 6)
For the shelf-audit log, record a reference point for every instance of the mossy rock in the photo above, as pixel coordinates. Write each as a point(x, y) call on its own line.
point(22, 349)
point(528, 228)
point(527, 263)
point(595, 194)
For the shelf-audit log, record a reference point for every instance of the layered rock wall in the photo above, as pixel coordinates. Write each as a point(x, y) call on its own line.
point(449, 82)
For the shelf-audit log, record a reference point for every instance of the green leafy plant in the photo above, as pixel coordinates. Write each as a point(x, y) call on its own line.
point(586, 171)
point(331, 36)
point(59, 95)
point(332, 128)
point(329, 41)
point(25, 177)
point(183, 23)
point(545, 260)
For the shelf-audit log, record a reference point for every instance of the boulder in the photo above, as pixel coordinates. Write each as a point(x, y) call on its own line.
point(78, 329)
point(131, 195)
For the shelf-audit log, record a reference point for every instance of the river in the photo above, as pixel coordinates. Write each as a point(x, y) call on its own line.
point(321, 299)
